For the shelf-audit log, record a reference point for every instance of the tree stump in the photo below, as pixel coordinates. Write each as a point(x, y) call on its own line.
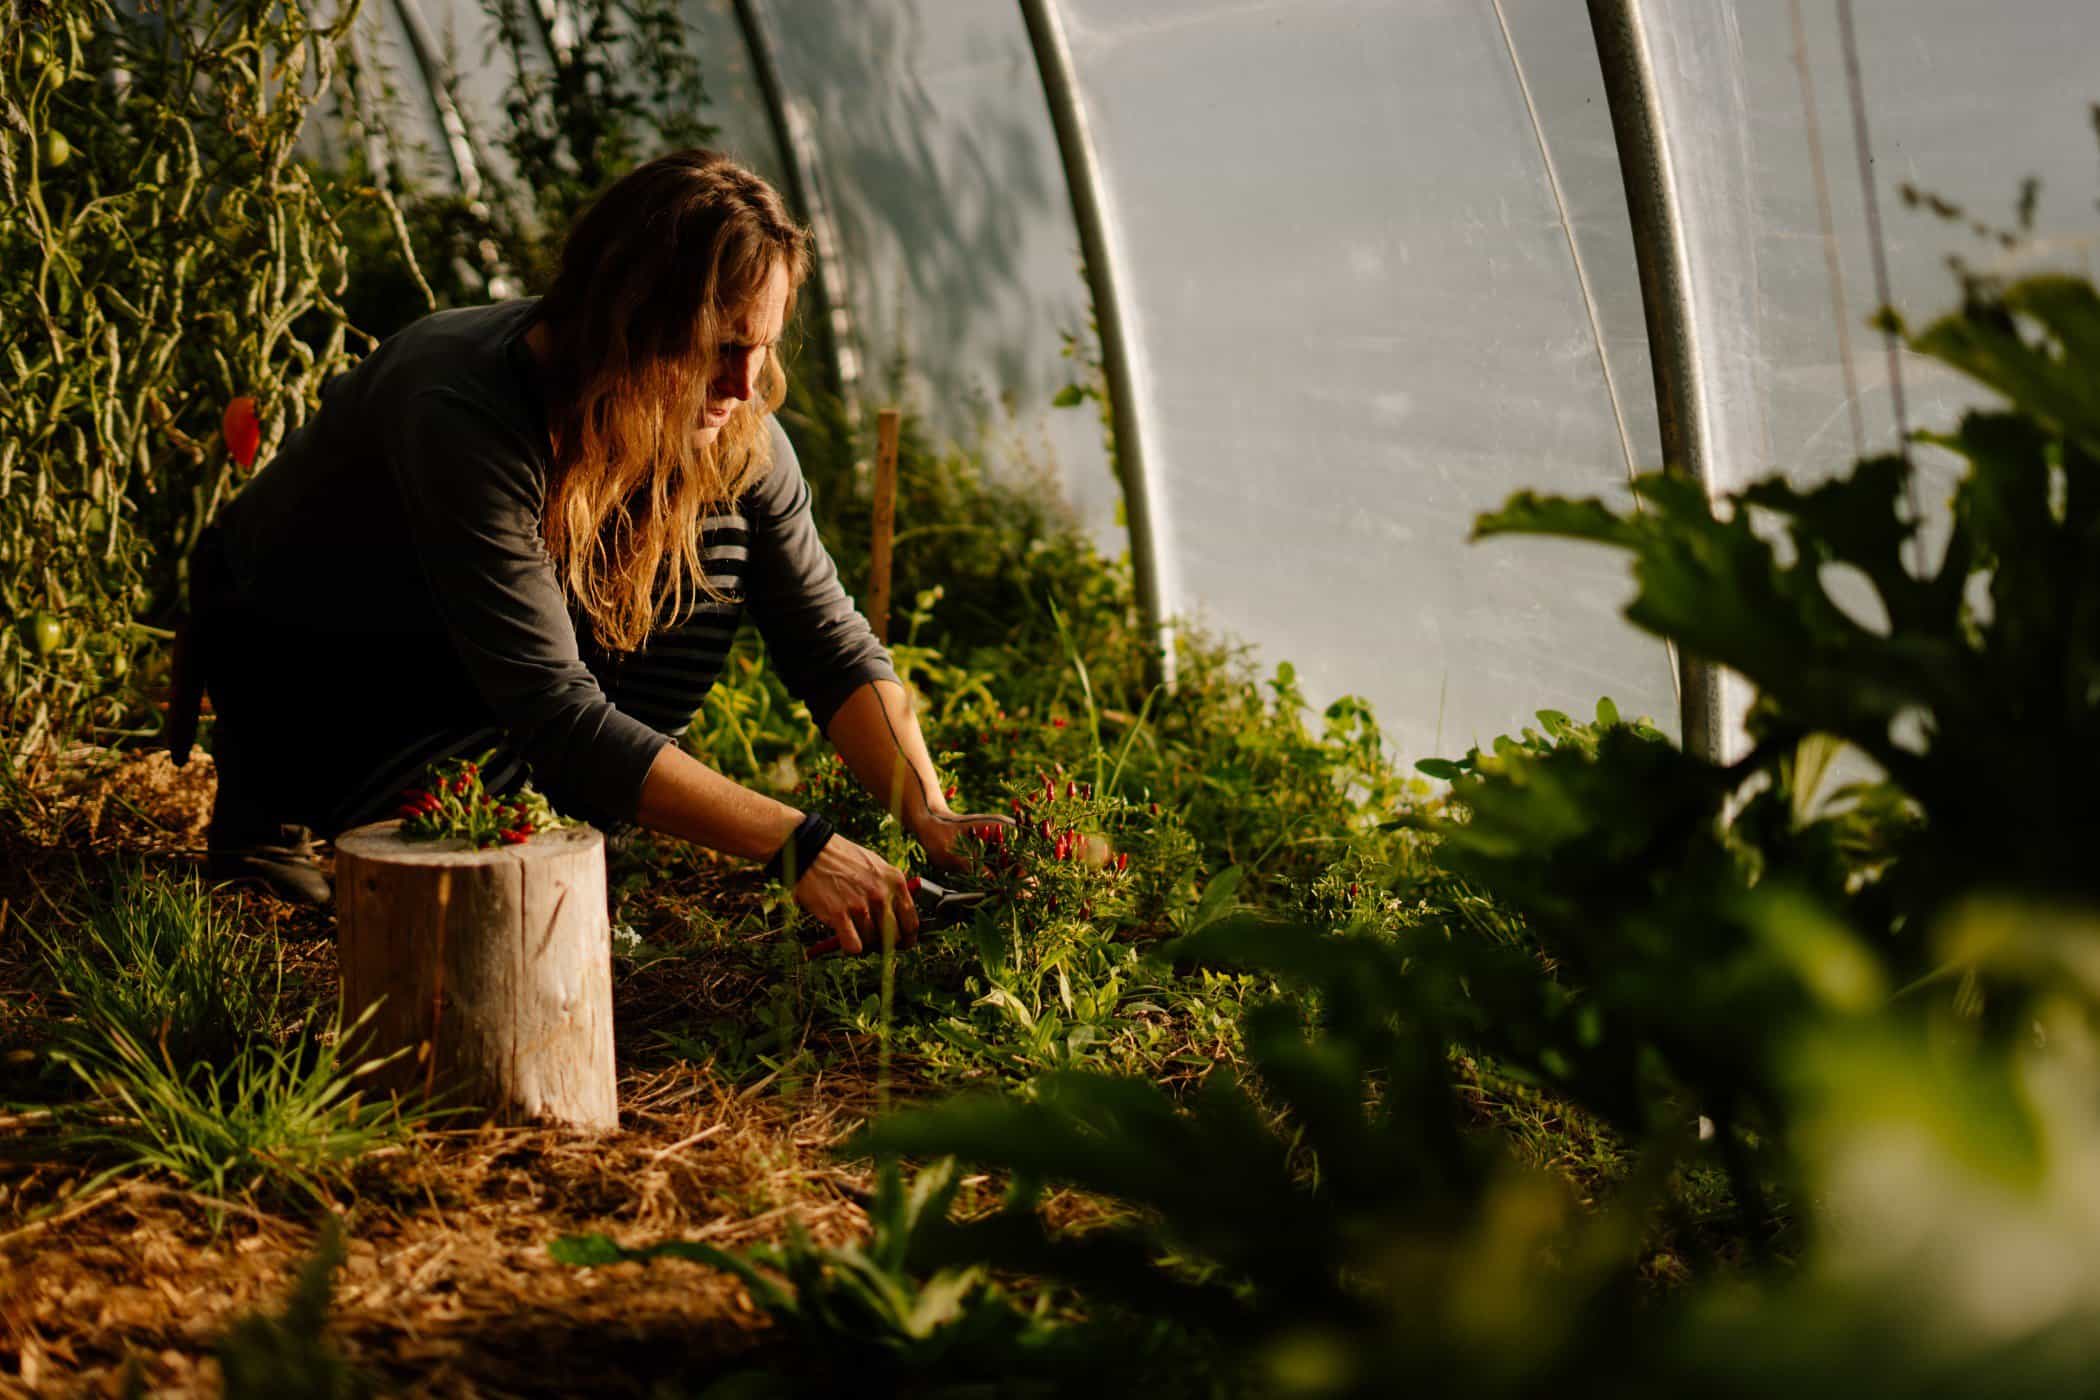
point(492, 969)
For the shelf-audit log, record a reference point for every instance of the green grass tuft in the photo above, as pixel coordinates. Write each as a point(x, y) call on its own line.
point(157, 963)
point(285, 1121)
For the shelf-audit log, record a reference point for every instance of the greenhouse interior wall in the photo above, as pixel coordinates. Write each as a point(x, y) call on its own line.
point(1375, 270)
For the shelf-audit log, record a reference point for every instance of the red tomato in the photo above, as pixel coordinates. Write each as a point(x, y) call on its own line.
point(242, 430)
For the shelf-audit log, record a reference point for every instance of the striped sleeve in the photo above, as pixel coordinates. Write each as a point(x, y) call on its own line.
point(817, 640)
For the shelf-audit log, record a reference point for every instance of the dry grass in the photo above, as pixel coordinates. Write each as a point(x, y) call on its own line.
point(448, 1288)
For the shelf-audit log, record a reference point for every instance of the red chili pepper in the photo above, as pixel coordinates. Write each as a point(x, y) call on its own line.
point(409, 813)
point(414, 795)
point(1122, 861)
point(1058, 723)
point(1354, 890)
point(1043, 828)
point(516, 838)
point(1155, 809)
point(1071, 789)
point(242, 430)
point(948, 792)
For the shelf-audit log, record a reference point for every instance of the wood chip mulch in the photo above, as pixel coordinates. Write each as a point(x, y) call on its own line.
point(447, 1288)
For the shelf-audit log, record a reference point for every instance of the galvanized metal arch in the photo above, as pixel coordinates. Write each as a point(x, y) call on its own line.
point(1053, 58)
point(1695, 440)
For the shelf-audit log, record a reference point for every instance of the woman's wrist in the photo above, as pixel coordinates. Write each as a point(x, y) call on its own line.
point(801, 848)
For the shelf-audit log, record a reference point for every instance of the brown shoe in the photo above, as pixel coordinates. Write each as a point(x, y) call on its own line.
point(281, 858)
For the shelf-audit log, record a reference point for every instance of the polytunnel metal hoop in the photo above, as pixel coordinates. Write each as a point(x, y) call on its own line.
point(1711, 699)
point(1083, 182)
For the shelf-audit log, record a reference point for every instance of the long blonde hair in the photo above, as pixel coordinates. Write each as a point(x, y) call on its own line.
point(652, 276)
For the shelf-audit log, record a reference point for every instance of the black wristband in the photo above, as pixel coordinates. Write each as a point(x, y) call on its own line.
point(799, 851)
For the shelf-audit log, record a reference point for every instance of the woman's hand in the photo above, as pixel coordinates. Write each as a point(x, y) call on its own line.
point(851, 890)
point(941, 832)
point(877, 734)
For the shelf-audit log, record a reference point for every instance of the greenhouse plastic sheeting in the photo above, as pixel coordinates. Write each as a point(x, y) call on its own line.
point(940, 169)
point(1358, 311)
point(1961, 104)
point(1378, 275)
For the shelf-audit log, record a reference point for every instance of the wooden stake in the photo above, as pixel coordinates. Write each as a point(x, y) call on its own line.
point(887, 425)
point(492, 968)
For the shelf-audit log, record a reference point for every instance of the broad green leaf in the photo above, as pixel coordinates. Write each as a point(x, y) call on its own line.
point(1217, 896)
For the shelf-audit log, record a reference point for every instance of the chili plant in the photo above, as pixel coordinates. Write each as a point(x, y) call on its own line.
point(454, 806)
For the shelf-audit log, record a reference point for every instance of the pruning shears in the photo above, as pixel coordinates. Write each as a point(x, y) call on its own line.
point(938, 906)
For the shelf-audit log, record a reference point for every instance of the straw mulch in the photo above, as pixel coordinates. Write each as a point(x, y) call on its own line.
point(447, 1288)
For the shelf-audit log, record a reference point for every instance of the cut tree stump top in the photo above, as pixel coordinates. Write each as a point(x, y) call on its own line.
point(382, 841)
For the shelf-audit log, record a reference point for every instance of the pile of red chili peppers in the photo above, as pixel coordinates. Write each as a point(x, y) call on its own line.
point(454, 806)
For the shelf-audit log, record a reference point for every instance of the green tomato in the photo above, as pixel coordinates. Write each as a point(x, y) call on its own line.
point(35, 52)
point(44, 633)
point(57, 149)
point(95, 522)
point(110, 649)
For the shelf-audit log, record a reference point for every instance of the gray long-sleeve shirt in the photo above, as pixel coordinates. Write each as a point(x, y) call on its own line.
point(411, 503)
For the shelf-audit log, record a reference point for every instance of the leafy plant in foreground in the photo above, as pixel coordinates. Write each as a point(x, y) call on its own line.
point(1983, 711)
point(266, 1356)
point(876, 1313)
point(1364, 1223)
point(1881, 1002)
